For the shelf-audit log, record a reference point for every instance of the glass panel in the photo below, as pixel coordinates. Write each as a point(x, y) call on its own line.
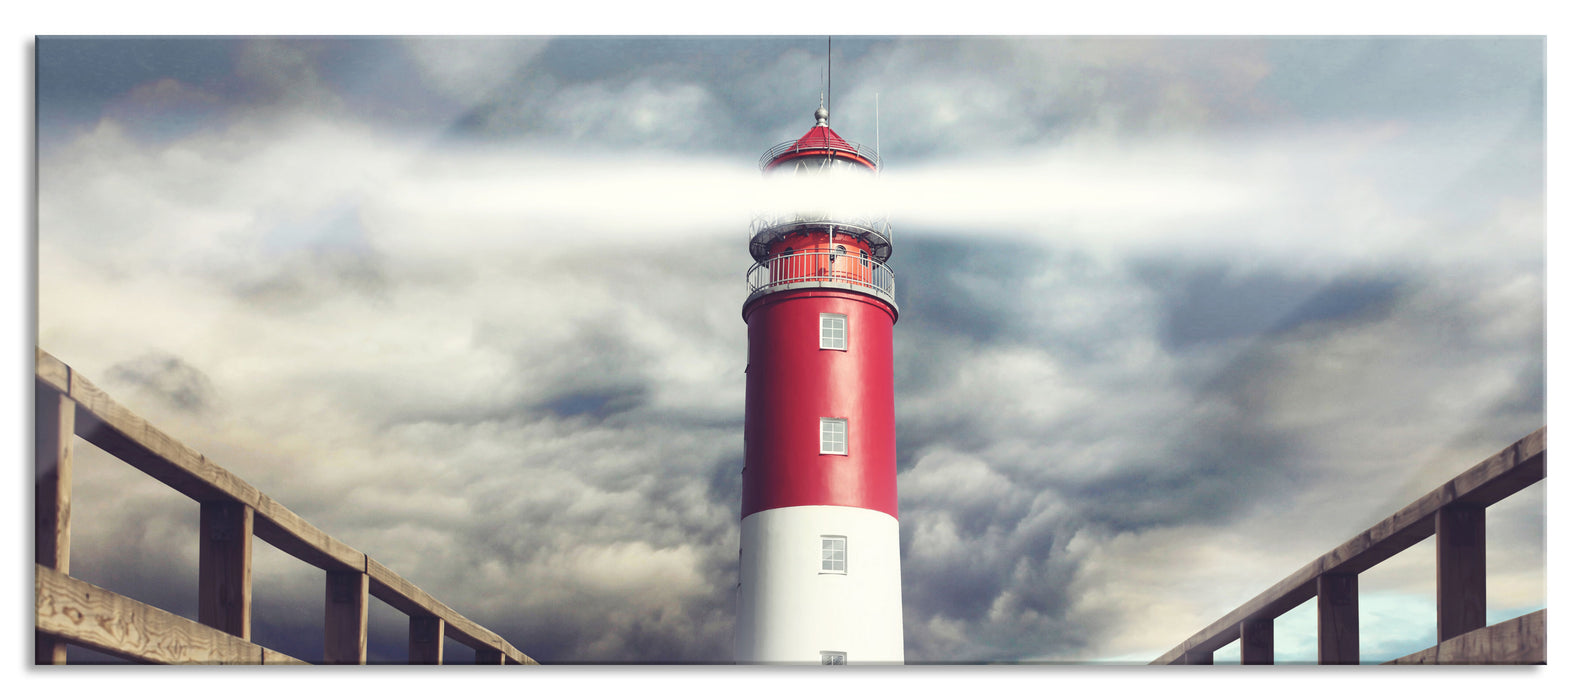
point(832, 331)
point(832, 436)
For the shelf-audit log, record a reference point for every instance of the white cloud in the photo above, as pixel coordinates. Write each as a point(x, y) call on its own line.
point(489, 365)
point(470, 69)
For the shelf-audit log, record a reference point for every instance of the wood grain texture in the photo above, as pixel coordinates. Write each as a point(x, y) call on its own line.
point(86, 615)
point(54, 430)
point(1338, 641)
point(290, 533)
point(54, 433)
point(111, 427)
point(1257, 642)
point(401, 594)
point(225, 571)
point(425, 641)
point(51, 371)
point(1518, 466)
point(225, 567)
point(1521, 640)
point(1460, 570)
point(345, 617)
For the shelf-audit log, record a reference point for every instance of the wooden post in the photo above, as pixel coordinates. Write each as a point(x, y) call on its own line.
point(1337, 619)
point(54, 431)
point(225, 567)
point(425, 640)
point(488, 657)
point(345, 617)
point(1257, 642)
point(1461, 570)
point(1200, 658)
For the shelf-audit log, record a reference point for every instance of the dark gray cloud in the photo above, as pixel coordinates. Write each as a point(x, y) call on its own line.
point(167, 379)
point(388, 297)
point(1217, 304)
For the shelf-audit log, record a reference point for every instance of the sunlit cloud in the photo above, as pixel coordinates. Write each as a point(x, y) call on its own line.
point(1166, 332)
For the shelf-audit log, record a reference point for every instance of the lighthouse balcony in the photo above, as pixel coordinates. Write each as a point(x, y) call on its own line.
point(821, 269)
point(765, 229)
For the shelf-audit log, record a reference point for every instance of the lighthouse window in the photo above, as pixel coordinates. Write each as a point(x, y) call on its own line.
point(832, 331)
point(834, 561)
point(832, 436)
point(832, 658)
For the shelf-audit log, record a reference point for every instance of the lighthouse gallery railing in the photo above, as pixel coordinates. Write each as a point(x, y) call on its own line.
point(821, 268)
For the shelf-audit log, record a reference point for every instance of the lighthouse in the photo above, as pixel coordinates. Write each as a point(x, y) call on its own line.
point(820, 559)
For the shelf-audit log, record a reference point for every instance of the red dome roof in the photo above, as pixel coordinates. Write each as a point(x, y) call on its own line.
point(820, 140)
point(822, 137)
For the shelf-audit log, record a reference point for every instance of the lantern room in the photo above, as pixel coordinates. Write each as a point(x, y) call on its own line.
point(817, 242)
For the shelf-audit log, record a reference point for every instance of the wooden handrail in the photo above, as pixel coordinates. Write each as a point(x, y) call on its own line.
point(108, 425)
point(1510, 470)
point(106, 621)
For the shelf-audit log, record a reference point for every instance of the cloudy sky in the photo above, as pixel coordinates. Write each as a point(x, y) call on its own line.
point(1178, 315)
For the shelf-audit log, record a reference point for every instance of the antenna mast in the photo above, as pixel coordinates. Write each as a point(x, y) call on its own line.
point(829, 61)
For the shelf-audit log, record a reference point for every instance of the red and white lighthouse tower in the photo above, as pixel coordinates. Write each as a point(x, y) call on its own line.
point(820, 540)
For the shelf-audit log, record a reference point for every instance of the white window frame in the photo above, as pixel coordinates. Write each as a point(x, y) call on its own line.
point(832, 658)
point(829, 544)
point(825, 342)
point(826, 428)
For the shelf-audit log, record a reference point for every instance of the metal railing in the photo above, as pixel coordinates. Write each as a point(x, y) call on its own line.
point(875, 230)
point(835, 144)
point(821, 268)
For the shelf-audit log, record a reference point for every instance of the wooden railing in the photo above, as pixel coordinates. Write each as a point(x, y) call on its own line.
point(1454, 515)
point(232, 513)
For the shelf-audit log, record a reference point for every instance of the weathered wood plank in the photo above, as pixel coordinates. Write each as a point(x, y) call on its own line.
point(123, 434)
point(89, 616)
point(425, 640)
point(1257, 642)
point(1460, 571)
point(1522, 640)
point(51, 371)
point(290, 533)
point(1519, 465)
point(272, 657)
point(1513, 469)
point(225, 567)
point(1292, 591)
point(401, 594)
point(54, 421)
point(1338, 641)
point(54, 432)
point(110, 426)
point(345, 617)
point(48, 649)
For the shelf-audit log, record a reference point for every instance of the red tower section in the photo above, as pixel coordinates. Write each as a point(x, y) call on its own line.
point(820, 277)
point(820, 570)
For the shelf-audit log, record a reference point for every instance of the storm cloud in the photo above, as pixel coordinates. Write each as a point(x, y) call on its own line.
point(1178, 315)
